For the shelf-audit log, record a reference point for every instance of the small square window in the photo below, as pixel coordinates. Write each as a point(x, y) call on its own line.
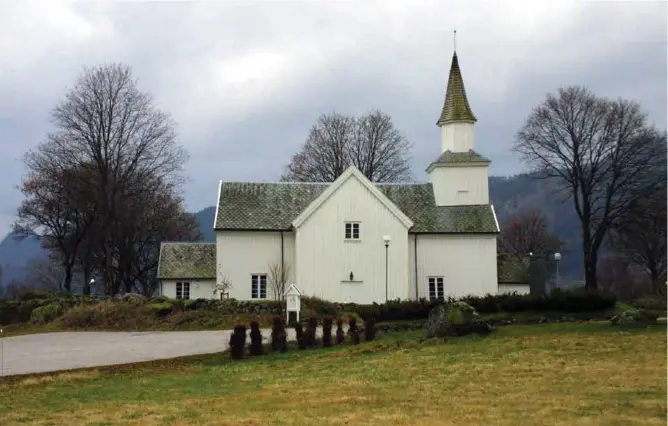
point(183, 290)
point(259, 286)
point(352, 231)
point(436, 288)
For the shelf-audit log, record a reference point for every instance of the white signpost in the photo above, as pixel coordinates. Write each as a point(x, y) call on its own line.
point(293, 301)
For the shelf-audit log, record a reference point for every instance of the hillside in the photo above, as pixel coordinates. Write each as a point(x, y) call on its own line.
point(508, 194)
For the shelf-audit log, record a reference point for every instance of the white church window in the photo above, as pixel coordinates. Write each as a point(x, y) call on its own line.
point(183, 290)
point(436, 288)
point(352, 231)
point(259, 286)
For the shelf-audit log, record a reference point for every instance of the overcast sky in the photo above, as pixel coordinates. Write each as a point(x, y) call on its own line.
point(245, 80)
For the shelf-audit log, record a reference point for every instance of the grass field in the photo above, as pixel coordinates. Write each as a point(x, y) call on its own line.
point(556, 374)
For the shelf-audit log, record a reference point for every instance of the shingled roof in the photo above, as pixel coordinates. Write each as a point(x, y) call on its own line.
point(454, 158)
point(456, 106)
point(273, 206)
point(513, 268)
point(182, 260)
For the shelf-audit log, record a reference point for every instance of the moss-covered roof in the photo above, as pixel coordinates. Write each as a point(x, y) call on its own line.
point(513, 268)
point(450, 157)
point(187, 260)
point(456, 106)
point(273, 206)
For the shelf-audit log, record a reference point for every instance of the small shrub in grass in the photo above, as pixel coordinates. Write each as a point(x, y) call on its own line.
point(311, 328)
point(353, 330)
point(256, 339)
point(108, 315)
point(318, 306)
point(369, 329)
point(327, 332)
point(299, 333)
point(278, 335)
point(650, 302)
point(46, 313)
point(160, 309)
point(340, 335)
point(238, 342)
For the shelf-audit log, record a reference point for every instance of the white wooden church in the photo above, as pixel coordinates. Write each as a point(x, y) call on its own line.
point(353, 240)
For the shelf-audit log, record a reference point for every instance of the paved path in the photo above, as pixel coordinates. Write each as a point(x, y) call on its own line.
point(41, 353)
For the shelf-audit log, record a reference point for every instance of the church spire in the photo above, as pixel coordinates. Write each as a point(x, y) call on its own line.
point(456, 106)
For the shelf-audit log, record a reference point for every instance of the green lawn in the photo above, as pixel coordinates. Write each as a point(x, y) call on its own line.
point(556, 374)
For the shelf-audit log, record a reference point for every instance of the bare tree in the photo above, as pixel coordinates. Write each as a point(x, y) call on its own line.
point(56, 203)
point(601, 151)
point(140, 229)
point(116, 148)
point(369, 142)
point(528, 232)
point(278, 280)
point(45, 275)
point(640, 237)
point(223, 285)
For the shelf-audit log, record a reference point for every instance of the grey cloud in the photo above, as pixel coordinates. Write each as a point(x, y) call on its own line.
point(329, 56)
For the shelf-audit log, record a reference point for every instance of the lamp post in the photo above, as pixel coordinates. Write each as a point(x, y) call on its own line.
point(557, 258)
point(90, 286)
point(386, 240)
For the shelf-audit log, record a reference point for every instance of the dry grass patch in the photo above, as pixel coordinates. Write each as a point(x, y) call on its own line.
point(58, 378)
point(557, 374)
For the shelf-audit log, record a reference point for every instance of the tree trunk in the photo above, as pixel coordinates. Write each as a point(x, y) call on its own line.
point(590, 262)
point(590, 256)
point(86, 286)
point(658, 284)
point(68, 277)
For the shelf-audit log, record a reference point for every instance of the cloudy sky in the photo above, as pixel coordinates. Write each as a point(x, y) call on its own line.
point(245, 80)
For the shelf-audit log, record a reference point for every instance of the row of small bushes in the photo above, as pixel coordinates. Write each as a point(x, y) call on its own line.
point(557, 301)
point(306, 338)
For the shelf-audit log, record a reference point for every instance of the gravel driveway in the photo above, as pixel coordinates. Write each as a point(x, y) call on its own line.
point(40, 353)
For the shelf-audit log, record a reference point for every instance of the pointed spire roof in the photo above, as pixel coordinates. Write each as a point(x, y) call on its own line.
point(456, 106)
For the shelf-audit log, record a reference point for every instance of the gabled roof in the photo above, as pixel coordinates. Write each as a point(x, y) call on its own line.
point(456, 106)
point(351, 172)
point(186, 260)
point(513, 268)
point(450, 158)
point(274, 206)
point(292, 290)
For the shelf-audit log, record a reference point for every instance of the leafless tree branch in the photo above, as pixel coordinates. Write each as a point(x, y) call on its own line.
point(369, 142)
point(601, 150)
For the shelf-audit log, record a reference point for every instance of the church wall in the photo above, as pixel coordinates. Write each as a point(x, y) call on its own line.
point(241, 254)
point(467, 264)
point(460, 185)
point(326, 258)
point(199, 289)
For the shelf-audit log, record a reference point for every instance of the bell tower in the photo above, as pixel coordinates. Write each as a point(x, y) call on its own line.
point(459, 176)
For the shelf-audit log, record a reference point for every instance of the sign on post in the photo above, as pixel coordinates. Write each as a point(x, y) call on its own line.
point(293, 302)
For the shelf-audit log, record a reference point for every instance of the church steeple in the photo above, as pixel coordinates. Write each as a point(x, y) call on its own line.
point(456, 106)
point(459, 177)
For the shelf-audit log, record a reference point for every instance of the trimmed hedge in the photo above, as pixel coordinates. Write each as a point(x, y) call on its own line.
point(557, 301)
point(18, 311)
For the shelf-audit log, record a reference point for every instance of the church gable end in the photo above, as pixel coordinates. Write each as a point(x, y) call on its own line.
point(345, 179)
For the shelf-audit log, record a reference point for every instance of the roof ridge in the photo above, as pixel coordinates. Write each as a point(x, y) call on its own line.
point(277, 183)
point(188, 242)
